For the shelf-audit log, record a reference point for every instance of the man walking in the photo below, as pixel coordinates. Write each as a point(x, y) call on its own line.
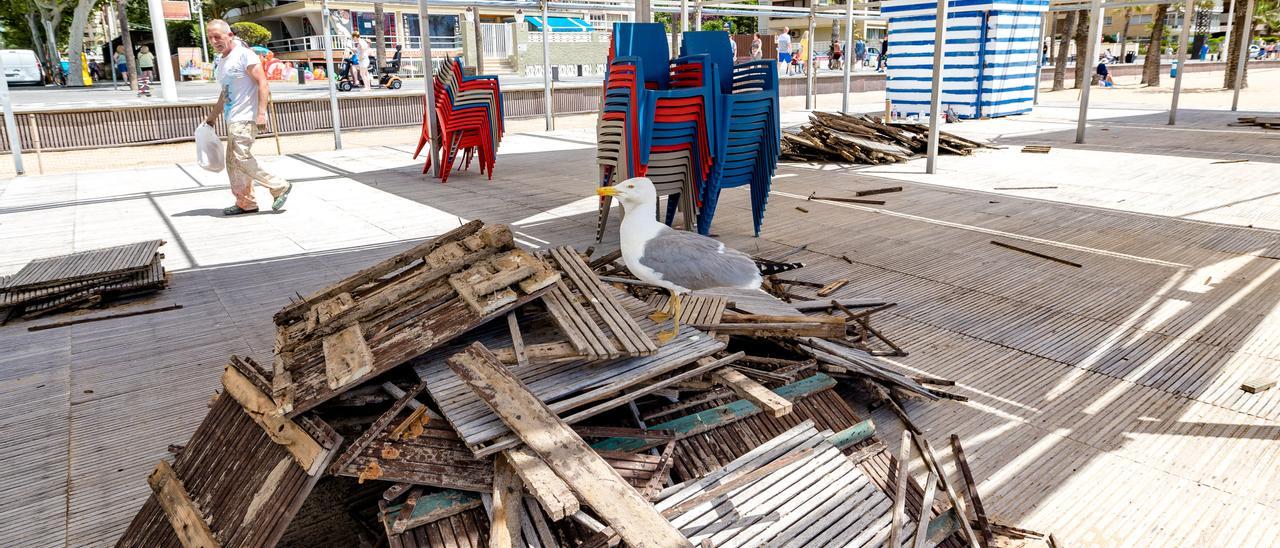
point(243, 105)
point(361, 47)
point(784, 49)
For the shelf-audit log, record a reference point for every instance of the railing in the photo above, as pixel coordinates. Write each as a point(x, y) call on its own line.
point(575, 37)
point(316, 43)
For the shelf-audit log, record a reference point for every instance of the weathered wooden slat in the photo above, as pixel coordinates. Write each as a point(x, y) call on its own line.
point(187, 520)
point(591, 478)
point(754, 392)
point(306, 451)
point(550, 491)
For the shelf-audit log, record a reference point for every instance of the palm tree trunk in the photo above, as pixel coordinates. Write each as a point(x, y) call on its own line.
point(131, 63)
point(1240, 37)
point(379, 34)
point(1151, 64)
point(1060, 64)
point(1084, 67)
point(1124, 37)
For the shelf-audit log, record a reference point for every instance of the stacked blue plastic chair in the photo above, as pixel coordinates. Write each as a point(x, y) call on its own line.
point(657, 119)
point(747, 124)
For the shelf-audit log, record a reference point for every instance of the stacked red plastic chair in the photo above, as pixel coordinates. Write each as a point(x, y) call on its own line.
point(694, 125)
point(655, 120)
point(468, 120)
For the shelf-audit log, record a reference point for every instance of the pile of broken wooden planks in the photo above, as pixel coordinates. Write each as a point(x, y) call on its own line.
point(467, 392)
point(1265, 122)
point(82, 280)
point(862, 139)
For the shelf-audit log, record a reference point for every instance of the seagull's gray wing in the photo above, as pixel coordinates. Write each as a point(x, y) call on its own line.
point(697, 262)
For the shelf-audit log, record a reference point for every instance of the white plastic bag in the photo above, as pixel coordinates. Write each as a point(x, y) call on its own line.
point(209, 152)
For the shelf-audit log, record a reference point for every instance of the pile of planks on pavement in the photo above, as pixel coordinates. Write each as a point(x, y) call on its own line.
point(467, 392)
point(82, 280)
point(1265, 122)
point(862, 139)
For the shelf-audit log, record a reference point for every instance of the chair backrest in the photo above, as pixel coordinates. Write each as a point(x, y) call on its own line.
point(715, 45)
point(648, 41)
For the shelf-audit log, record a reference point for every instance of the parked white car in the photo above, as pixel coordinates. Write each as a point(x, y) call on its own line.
point(22, 67)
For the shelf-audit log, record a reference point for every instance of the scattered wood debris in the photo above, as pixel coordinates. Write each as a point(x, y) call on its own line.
point(1236, 161)
point(1254, 386)
point(864, 139)
point(814, 196)
point(1265, 122)
point(444, 396)
point(878, 191)
point(1036, 149)
point(1024, 188)
point(66, 323)
point(1037, 254)
point(82, 280)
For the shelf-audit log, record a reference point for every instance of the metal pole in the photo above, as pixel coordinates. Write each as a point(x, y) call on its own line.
point(848, 54)
point(111, 63)
point(684, 27)
point(644, 14)
point(1244, 54)
point(935, 93)
point(10, 124)
point(332, 74)
point(428, 84)
point(164, 60)
point(1035, 95)
point(808, 59)
point(1188, 12)
point(548, 104)
point(204, 42)
point(1085, 63)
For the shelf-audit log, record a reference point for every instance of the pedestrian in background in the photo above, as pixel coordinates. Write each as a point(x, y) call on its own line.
point(757, 47)
point(243, 106)
point(146, 66)
point(362, 58)
point(122, 63)
point(860, 52)
point(883, 59)
point(783, 41)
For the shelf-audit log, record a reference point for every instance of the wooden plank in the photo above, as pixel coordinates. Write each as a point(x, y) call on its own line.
point(926, 453)
point(1037, 254)
point(1254, 386)
point(971, 487)
point(922, 526)
point(900, 491)
point(306, 451)
point(753, 391)
point(517, 341)
point(590, 477)
point(507, 512)
point(540, 481)
point(346, 357)
point(430, 508)
point(703, 421)
point(295, 310)
point(853, 435)
point(187, 519)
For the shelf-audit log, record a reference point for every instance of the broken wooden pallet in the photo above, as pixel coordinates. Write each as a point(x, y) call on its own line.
point(576, 389)
point(241, 477)
point(83, 279)
point(377, 323)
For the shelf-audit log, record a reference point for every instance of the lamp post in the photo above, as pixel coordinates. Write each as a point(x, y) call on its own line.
point(333, 90)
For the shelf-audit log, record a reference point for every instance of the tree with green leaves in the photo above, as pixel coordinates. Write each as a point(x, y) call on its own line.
point(253, 34)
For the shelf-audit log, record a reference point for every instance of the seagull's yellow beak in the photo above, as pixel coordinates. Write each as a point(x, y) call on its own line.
point(606, 191)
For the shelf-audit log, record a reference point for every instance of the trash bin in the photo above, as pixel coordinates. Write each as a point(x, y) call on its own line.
point(1130, 57)
point(302, 76)
point(555, 73)
point(1173, 69)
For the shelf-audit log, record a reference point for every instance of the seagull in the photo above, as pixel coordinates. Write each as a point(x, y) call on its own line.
point(675, 260)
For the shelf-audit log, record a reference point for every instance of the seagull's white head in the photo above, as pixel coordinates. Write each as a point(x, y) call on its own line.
point(633, 193)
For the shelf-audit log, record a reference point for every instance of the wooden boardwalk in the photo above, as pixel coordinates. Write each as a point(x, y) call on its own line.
point(1105, 399)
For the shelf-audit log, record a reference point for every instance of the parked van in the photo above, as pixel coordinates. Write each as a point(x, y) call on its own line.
point(21, 67)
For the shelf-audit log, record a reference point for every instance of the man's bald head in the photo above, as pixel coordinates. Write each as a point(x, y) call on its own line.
point(220, 36)
point(217, 24)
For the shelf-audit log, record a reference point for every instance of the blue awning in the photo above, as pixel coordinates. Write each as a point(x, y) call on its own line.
point(561, 24)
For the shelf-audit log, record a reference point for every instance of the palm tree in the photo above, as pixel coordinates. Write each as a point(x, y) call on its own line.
point(1151, 64)
point(1084, 66)
point(1060, 64)
point(218, 9)
point(1124, 31)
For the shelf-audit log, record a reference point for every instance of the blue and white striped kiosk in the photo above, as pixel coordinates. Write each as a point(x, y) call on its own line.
point(990, 57)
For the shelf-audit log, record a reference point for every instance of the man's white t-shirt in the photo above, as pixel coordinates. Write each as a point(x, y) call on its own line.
point(784, 43)
point(232, 72)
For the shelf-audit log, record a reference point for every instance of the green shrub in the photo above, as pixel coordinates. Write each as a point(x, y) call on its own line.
point(253, 34)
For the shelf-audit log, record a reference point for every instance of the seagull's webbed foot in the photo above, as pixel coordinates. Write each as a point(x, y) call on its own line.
point(666, 336)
